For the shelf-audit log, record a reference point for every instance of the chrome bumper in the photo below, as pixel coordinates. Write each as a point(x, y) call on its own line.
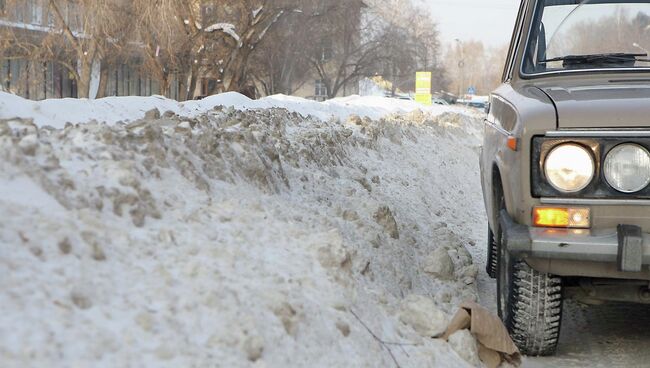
point(627, 246)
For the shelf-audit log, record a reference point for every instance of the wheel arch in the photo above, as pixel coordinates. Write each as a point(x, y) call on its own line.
point(499, 187)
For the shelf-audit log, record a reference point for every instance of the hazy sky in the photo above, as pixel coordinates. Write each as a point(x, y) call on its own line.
point(490, 21)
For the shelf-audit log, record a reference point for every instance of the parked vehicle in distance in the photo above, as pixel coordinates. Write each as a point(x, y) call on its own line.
point(439, 101)
point(399, 96)
point(479, 102)
point(565, 164)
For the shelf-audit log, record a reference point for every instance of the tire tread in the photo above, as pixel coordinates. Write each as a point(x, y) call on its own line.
point(535, 310)
point(492, 264)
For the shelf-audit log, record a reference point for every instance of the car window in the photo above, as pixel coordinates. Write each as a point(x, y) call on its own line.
point(591, 34)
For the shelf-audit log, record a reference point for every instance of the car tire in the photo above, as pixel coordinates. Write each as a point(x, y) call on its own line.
point(494, 237)
point(530, 304)
point(492, 255)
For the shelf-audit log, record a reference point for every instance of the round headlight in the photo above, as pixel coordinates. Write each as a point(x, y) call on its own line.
point(627, 168)
point(569, 167)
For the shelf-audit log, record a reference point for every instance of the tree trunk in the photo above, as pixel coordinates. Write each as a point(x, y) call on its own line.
point(332, 90)
point(191, 83)
point(83, 79)
point(393, 88)
point(85, 70)
point(239, 71)
point(164, 81)
point(103, 80)
point(182, 88)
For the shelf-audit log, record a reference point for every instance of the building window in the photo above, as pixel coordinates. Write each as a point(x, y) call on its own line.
point(208, 86)
point(326, 50)
point(5, 75)
point(36, 12)
point(18, 13)
point(47, 14)
point(321, 89)
point(71, 16)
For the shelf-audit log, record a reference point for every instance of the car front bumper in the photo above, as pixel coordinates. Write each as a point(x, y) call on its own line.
point(624, 251)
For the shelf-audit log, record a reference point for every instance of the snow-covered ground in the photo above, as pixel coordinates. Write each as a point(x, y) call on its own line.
point(111, 110)
point(219, 237)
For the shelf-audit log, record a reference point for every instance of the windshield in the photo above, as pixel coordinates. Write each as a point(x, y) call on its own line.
point(590, 34)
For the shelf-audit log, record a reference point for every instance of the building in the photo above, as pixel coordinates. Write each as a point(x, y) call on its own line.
point(330, 54)
point(27, 22)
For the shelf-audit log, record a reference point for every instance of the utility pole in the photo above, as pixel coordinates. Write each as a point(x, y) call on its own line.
point(461, 67)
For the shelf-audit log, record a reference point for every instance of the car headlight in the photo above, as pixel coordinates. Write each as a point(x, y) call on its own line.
point(627, 168)
point(569, 167)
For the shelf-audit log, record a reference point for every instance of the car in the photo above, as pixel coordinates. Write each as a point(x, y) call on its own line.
point(477, 104)
point(401, 97)
point(565, 165)
point(472, 103)
point(439, 101)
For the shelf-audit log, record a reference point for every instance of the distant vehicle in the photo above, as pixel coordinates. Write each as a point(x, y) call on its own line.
point(400, 97)
point(479, 102)
point(470, 103)
point(440, 101)
point(565, 165)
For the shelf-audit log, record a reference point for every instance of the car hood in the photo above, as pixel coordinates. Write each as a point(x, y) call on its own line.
point(603, 106)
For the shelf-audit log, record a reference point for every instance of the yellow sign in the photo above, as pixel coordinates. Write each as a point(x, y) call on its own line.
point(423, 88)
point(424, 99)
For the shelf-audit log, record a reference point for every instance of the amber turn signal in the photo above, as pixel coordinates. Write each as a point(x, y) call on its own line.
point(513, 143)
point(575, 218)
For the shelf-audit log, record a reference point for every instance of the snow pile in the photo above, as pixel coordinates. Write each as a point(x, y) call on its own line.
point(112, 110)
point(237, 238)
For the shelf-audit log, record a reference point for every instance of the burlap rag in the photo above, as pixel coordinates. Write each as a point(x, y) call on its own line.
point(495, 344)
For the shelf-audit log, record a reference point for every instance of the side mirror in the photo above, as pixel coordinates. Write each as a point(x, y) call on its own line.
point(487, 107)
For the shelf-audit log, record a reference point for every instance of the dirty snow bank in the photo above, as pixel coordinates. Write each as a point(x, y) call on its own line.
point(256, 238)
point(111, 110)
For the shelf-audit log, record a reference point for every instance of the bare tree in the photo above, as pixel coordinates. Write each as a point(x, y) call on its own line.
point(75, 34)
point(172, 41)
point(281, 65)
point(275, 44)
point(472, 64)
point(369, 38)
point(349, 45)
point(622, 31)
point(205, 38)
point(410, 43)
point(245, 25)
point(90, 31)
